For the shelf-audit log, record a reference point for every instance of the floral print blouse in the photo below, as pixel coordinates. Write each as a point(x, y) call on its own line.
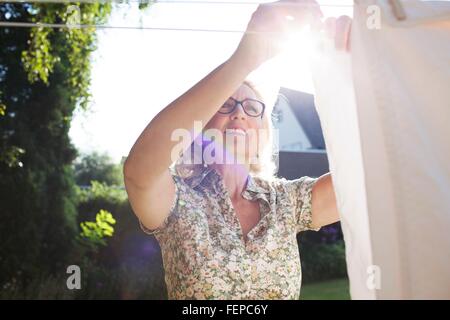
point(204, 252)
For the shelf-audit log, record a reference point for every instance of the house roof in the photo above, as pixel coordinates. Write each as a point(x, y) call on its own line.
point(302, 105)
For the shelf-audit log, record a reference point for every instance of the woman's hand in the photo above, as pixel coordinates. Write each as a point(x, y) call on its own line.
point(269, 27)
point(339, 30)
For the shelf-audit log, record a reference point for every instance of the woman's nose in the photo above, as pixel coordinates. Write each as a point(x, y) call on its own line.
point(238, 112)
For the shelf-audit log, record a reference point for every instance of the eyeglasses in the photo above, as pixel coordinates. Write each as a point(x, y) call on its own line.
point(252, 107)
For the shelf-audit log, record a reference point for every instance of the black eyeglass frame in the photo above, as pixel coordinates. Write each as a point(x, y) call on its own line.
point(236, 102)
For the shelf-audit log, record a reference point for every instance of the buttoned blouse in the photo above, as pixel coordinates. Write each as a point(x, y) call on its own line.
point(204, 252)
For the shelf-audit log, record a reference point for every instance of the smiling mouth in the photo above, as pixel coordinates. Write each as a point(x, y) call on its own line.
point(235, 132)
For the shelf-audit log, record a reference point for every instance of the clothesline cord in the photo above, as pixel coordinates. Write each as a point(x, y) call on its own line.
point(171, 2)
point(101, 26)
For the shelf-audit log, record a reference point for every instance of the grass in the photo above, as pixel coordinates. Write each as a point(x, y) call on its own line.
point(337, 289)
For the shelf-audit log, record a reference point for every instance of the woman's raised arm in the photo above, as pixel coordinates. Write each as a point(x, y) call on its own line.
point(148, 182)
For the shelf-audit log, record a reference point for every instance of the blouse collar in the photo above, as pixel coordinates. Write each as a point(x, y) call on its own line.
point(254, 184)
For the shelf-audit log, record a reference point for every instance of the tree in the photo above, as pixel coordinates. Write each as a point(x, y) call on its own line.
point(98, 167)
point(44, 76)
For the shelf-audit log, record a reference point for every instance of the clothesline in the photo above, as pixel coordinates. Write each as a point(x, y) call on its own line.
point(16, 24)
point(101, 26)
point(208, 2)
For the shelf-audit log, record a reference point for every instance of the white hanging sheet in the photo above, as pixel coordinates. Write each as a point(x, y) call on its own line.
point(385, 113)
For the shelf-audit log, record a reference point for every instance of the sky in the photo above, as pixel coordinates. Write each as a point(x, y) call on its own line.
point(137, 72)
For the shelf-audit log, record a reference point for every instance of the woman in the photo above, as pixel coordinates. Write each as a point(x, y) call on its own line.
point(228, 230)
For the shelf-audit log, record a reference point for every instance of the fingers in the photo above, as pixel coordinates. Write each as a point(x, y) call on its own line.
point(338, 29)
point(314, 8)
point(330, 27)
point(301, 8)
point(298, 13)
point(342, 36)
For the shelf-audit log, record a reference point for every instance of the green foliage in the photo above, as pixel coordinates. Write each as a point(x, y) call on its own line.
point(98, 167)
point(68, 47)
point(10, 156)
point(323, 261)
point(336, 289)
point(100, 192)
point(143, 281)
point(143, 4)
point(38, 60)
point(2, 106)
point(113, 199)
point(40, 287)
point(95, 232)
point(123, 282)
point(44, 76)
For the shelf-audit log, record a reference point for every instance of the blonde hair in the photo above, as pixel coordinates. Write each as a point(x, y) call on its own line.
point(266, 166)
point(268, 157)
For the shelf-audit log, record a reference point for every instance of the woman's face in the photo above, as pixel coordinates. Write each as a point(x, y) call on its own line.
point(243, 142)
